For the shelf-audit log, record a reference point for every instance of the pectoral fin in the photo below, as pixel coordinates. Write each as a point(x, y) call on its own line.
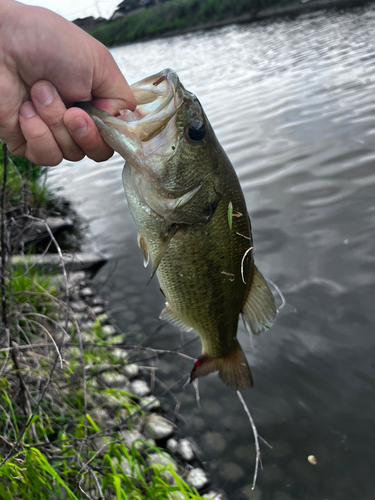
point(164, 242)
point(168, 315)
point(143, 246)
point(259, 310)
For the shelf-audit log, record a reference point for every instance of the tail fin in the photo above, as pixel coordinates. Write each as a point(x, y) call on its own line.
point(233, 369)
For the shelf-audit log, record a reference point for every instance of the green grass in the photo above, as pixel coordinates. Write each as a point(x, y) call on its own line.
point(25, 186)
point(69, 449)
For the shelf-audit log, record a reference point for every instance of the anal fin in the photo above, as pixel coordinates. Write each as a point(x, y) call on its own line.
point(169, 315)
point(259, 310)
point(233, 369)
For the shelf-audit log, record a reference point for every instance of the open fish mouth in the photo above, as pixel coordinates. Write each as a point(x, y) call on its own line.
point(151, 128)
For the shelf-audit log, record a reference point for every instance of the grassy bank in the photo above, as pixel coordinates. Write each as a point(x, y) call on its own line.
point(181, 15)
point(70, 425)
point(176, 15)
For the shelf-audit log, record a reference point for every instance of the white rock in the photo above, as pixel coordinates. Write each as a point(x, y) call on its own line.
point(97, 301)
point(109, 329)
point(215, 441)
point(151, 402)
point(114, 379)
point(160, 462)
point(87, 325)
point(139, 388)
point(172, 445)
point(185, 450)
point(97, 310)
point(87, 292)
point(162, 459)
point(76, 277)
point(131, 370)
point(215, 495)
point(78, 306)
point(130, 437)
point(197, 478)
point(160, 427)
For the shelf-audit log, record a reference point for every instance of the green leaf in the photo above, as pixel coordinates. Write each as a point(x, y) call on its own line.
point(230, 214)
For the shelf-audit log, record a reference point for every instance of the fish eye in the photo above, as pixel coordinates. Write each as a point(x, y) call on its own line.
point(196, 130)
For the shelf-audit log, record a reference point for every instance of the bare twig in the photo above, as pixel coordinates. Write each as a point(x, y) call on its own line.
point(50, 336)
point(3, 245)
point(256, 436)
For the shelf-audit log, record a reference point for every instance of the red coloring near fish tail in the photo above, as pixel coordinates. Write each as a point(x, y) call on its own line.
point(233, 369)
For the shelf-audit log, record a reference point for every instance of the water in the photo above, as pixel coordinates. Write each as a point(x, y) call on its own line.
point(293, 103)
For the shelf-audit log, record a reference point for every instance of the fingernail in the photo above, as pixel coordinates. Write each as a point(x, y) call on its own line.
point(27, 110)
point(78, 126)
point(44, 96)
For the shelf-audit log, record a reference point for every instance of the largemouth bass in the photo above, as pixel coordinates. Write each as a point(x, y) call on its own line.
point(188, 206)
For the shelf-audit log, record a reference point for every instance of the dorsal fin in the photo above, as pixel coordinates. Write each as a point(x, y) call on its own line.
point(164, 242)
point(259, 310)
point(169, 315)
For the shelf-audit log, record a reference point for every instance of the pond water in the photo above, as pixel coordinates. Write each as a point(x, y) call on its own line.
point(293, 104)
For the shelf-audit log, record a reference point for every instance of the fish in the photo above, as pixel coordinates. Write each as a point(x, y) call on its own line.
point(192, 220)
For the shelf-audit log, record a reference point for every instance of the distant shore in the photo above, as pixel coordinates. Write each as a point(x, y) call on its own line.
point(184, 16)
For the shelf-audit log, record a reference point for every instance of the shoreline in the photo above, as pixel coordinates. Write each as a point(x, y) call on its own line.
point(291, 10)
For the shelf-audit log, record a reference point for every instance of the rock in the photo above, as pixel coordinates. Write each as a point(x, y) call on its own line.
point(197, 478)
point(73, 262)
point(109, 329)
point(215, 441)
point(185, 450)
point(161, 462)
point(231, 471)
point(100, 416)
point(87, 292)
point(252, 494)
point(124, 465)
point(131, 370)
point(151, 403)
point(130, 438)
point(97, 301)
point(280, 495)
point(114, 379)
point(97, 310)
point(78, 306)
point(172, 445)
point(160, 428)
point(87, 325)
point(76, 278)
point(139, 388)
point(272, 473)
point(129, 315)
point(215, 495)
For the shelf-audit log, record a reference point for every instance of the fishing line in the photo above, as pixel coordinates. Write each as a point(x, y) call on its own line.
point(279, 292)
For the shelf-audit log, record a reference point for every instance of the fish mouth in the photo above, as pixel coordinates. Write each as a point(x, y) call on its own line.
point(151, 128)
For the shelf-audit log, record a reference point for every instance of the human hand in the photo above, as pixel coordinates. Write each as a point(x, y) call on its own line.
point(47, 64)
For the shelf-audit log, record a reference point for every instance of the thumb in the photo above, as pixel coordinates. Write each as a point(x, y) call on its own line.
point(110, 90)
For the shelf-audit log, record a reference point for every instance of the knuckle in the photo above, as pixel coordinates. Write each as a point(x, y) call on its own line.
point(100, 157)
point(75, 156)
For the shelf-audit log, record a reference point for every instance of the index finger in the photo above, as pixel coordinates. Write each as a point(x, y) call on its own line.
point(110, 90)
point(84, 132)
